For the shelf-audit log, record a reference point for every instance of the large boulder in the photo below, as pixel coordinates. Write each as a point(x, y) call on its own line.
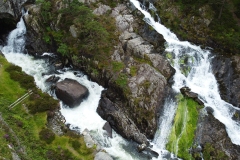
point(119, 121)
point(102, 156)
point(71, 92)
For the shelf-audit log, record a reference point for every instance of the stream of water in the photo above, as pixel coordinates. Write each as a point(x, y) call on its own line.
point(199, 78)
point(81, 117)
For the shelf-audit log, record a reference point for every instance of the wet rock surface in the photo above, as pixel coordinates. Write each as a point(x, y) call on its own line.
point(186, 91)
point(211, 131)
point(34, 42)
point(145, 68)
point(108, 129)
point(71, 92)
point(102, 156)
point(119, 121)
point(227, 73)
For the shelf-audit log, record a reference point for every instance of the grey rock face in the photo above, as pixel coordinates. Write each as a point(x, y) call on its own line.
point(12, 8)
point(108, 129)
point(102, 9)
point(210, 130)
point(102, 156)
point(119, 121)
point(227, 73)
point(34, 42)
point(10, 12)
point(73, 31)
point(71, 92)
point(162, 65)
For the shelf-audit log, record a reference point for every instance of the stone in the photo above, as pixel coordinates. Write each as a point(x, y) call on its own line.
point(73, 31)
point(71, 92)
point(108, 129)
point(162, 65)
point(102, 9)
point(53, 79)
point(119, 121)
point(102, 156)
point(124, 22)
point(186, 91)
point(141, 147)
point(138, 47)
point(209, 109)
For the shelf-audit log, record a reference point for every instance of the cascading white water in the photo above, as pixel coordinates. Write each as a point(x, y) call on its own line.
point(80, 117)
point(200, 77)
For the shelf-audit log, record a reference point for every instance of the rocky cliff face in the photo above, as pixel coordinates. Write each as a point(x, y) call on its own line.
point(146, 73)
point(137, 89)
point(227, 73)
point(10, 12)
point(214, 142)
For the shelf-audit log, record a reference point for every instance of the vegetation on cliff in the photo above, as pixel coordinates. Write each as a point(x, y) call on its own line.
point(214, 23)
point(25, 133)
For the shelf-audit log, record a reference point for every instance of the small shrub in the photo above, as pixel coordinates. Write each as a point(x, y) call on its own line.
point(76, 144)
point(59, 154)
point(46, 135)
point(18, 75)
point(42, 103)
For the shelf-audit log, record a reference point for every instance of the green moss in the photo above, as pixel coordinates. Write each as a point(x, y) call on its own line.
point(122, 80)
point(185, 123)
point(223, 29)
point(209, 152)
point(117, 66)
point(133, 71)
point(170, 57)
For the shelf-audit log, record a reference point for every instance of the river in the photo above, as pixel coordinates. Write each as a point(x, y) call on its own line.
point(199, 78)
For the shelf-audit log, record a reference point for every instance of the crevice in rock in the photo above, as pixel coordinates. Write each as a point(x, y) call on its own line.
point(7, 23)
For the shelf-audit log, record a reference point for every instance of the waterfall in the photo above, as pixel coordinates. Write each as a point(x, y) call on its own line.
point(81, 117)
point(199, 77)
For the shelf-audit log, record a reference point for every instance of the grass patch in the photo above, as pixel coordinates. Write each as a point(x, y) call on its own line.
point(117, 66)
point(185, 124)
point(211, 153)
point(133, 70)
point(122, 80)
point(22, 128)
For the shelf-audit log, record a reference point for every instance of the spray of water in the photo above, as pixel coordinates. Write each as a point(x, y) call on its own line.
point(199, 78)
point(81, 117)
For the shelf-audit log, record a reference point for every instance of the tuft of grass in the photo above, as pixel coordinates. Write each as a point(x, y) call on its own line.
point(122, 80)
point(133, 70)
point(117, 66)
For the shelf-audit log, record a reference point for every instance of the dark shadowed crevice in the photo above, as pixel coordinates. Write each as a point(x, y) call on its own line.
point(7, 24)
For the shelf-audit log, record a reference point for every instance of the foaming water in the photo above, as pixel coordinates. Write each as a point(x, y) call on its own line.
point(199, 77)
point(81, 117)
